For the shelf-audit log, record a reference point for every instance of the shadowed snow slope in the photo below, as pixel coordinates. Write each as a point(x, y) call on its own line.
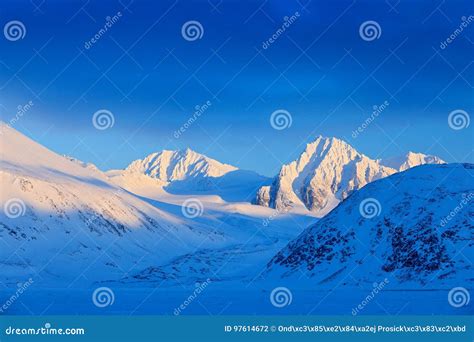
point(416, 228)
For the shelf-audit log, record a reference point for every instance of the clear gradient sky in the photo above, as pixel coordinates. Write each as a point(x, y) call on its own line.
point(320, 70)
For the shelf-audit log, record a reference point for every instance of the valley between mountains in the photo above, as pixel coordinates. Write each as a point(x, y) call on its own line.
point(334, 221)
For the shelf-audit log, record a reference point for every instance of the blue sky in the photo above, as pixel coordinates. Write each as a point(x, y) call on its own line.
point(320, 70)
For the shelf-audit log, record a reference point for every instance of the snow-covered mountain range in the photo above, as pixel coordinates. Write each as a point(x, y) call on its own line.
point(67, 224)
point(415, 227)
point(327, 172)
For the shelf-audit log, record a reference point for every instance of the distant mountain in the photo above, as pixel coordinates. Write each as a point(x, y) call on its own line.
point(414, 227)
point(189, 172)
point(327, 172)
point(411, 159)
point(169, 166)
point(178, 169)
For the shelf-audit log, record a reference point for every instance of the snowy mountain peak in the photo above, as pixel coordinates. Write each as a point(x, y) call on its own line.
point(327, 172)
point(179, 165)
point(329, 148)
point(411, 159)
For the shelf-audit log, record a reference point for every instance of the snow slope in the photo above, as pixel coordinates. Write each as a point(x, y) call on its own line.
point(327, 172)
point(414, 228)
point(252, 234)
point(63, 219)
